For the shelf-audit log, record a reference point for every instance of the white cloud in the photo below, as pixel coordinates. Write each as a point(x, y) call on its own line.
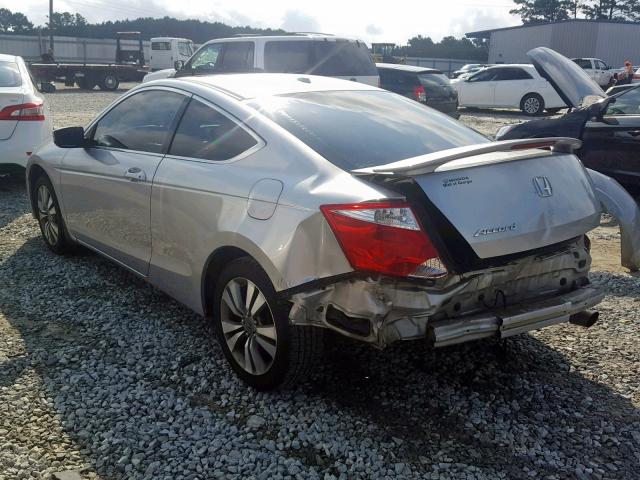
point(298, 21)
point(373, 30)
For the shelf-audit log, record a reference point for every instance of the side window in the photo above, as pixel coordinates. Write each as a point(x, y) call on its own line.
point(600, 65)
point(582, 63)
point(626, 104)
point(237, 57)
point(512, 74)
point(206, 133)
point(288, 57)
point(160, 45)
point(484, 76)
point(392, 78)
point(206, 58)
point(140, 122)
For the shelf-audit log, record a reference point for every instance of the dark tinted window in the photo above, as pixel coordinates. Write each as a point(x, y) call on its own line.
point(484, 75)
point(141, 122)
point(391, 77)
point(160, 45)
point(9, 75)
point(511, 74)
point(206, 58)
point(356, 129)
point(208, 134)
point(343, 59)
point(328, 58)
point(434, 80)
point(236, 57)
point(582, 63)
point(288, 57)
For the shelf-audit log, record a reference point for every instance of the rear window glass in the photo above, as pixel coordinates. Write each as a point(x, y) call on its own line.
point(434, 80)
point(328, 58)
point(358, 129)
point(161, 46)
point(9, 75)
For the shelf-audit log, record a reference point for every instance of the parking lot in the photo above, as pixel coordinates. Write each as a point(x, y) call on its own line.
point(105, 376)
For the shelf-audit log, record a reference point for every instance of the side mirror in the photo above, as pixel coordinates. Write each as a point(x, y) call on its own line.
point(69, 137)
point(178, 65)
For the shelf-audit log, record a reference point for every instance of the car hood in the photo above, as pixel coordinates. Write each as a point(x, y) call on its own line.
point(571, 82)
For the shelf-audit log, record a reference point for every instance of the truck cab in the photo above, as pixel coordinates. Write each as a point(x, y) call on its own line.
point(165, 51)
point(597, 69)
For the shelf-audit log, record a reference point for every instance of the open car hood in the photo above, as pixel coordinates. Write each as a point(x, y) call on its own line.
point(571, 82)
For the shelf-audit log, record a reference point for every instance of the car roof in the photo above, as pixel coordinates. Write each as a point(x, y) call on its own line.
point(251, 85)
point(8, 58)
point(154, 39)
point(407, 68)
point(509, 65)
point(284, 38)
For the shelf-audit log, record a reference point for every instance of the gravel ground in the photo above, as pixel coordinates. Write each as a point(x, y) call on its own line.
point(102, 376)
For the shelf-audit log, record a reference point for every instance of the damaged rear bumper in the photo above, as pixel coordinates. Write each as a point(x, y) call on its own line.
point(514, 320)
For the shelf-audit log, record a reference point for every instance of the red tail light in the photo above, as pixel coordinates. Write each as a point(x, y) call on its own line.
point(384, 237)
point(420, 94)
point(23, 112)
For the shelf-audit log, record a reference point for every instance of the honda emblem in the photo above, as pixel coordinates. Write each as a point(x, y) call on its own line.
point(543, 186)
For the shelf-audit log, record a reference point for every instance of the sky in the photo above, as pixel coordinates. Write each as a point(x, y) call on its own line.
point(370, 21)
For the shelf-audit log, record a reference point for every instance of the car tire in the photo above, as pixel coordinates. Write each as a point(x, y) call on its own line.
point(532, 104)
point(109, 82)
point(85, 83)
point(47, 209)
point(263, 348)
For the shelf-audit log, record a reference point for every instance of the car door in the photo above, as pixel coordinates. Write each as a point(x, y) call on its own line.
point(106, 187)
point(512, 83)
point(611, 145)
point(479, 89)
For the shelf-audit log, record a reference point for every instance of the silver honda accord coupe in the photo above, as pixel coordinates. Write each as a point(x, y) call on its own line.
point(282, 206)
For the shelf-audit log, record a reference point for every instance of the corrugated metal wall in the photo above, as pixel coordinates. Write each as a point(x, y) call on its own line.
point(612, 42)
point(511, 46)
point(67, 49)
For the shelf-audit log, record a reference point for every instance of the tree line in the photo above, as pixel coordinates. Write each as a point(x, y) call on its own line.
point(539, 11)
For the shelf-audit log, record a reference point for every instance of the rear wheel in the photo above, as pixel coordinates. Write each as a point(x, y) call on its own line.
point(254, 332)
point(109, 82)
point(85, 83)
point(532, 104)
point(52, 227)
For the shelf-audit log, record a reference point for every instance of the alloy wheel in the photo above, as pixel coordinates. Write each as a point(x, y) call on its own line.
point(532, 105)
point(248, 326)
point(48, 216)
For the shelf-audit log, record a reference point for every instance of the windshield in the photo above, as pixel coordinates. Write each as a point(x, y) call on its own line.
point(359, 129)
point(9, 75)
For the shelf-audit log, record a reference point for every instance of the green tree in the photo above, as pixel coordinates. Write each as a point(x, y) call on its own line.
point(612, 10)
point(66, 20)
point(537, 11)
point(14, 22)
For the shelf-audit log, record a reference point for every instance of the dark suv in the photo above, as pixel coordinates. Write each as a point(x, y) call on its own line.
point(424, 85)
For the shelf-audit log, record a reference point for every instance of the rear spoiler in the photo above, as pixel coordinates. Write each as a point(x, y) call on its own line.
point(429, 162)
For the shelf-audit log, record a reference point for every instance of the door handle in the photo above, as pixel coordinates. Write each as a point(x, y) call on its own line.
point(135, 175)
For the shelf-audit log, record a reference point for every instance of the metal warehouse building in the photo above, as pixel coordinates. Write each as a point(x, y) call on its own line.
point(613, 42)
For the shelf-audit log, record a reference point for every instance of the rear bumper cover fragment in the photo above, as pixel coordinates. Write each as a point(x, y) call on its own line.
point(514, 320)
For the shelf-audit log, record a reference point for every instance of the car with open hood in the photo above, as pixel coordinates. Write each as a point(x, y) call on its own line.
point(282, 206)
point(609, 126)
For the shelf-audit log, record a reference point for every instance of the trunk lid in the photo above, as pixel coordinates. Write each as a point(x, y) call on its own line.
point(572, 83)
point(503, 202)
point(9, 96)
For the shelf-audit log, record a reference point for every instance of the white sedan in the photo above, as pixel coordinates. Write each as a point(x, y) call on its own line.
point(508, 86)
point(24, 118)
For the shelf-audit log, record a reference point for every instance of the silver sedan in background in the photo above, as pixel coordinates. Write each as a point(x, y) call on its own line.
point(279, 206)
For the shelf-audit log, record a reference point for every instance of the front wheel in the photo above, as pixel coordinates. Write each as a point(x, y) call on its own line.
point(52, 227)
point(253, 329)
point(532, 104)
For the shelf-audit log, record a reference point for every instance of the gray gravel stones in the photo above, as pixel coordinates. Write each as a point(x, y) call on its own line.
point(104, 375)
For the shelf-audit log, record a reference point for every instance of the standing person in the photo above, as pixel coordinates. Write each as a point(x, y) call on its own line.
point(626, 76)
